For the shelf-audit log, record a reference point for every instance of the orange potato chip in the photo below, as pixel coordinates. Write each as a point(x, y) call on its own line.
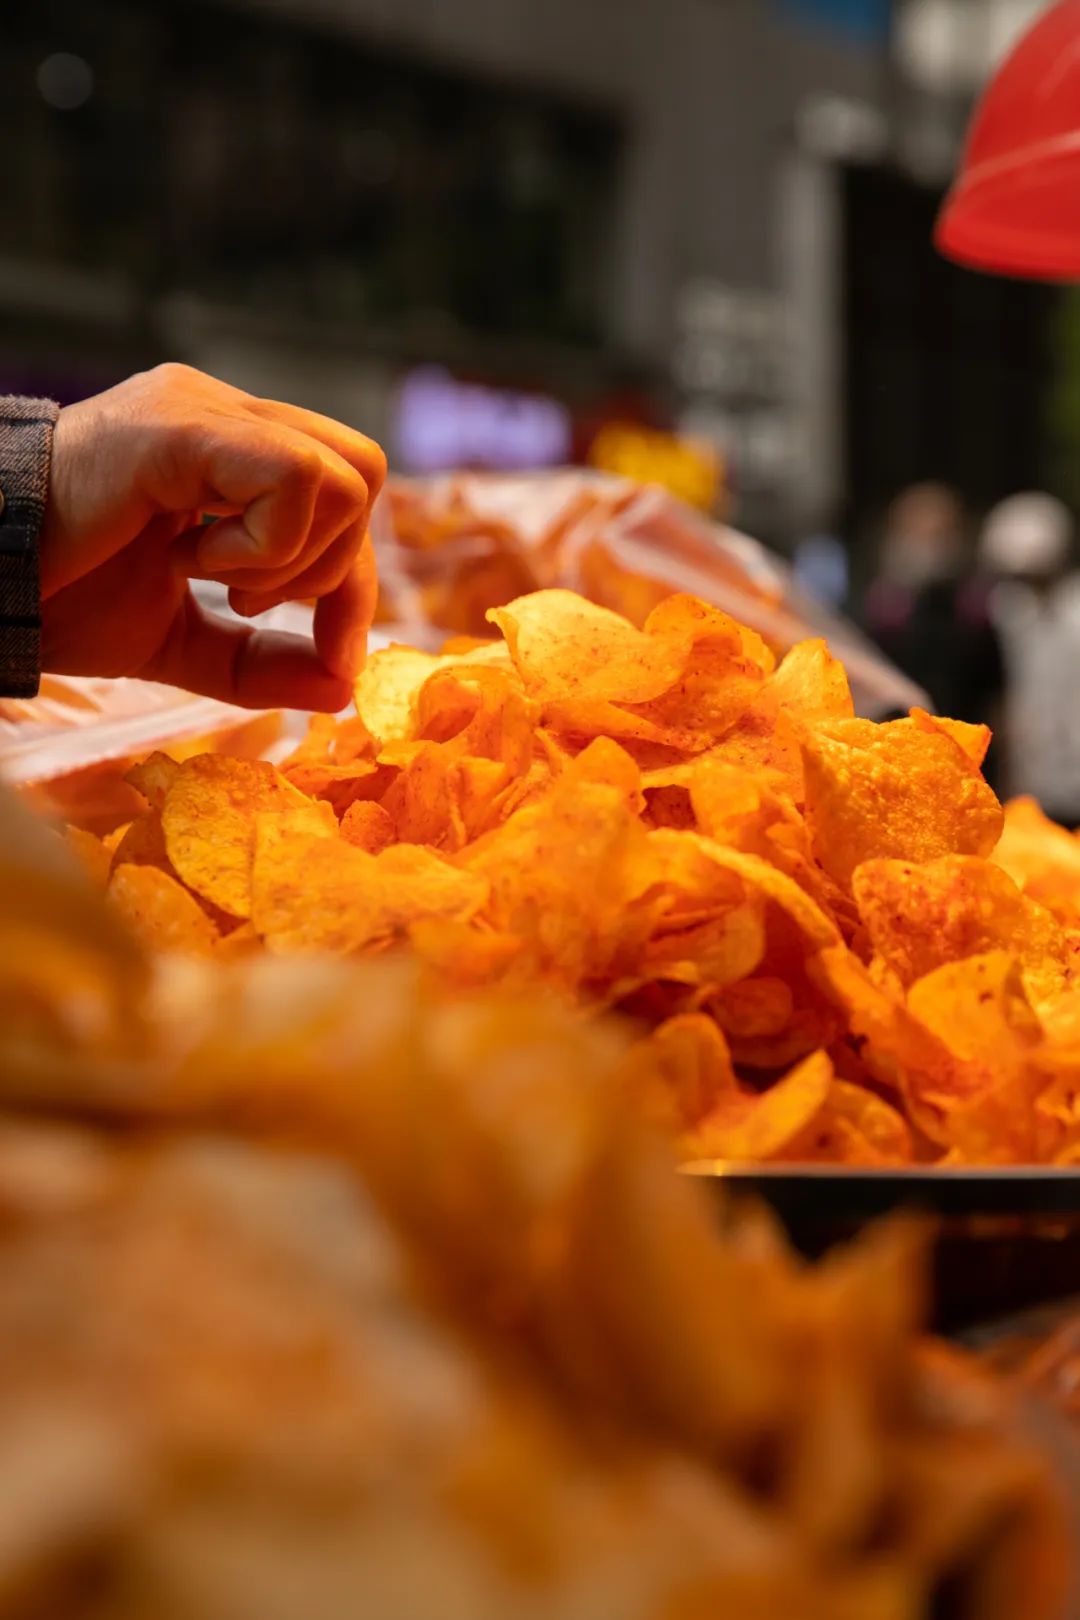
point(854, 1126)
point(238, 942)
point(811, 684)
point(722, 676)
point(919, 918)
point(479, 712)
point(681, 1072)
point(422, 801)
point(755, 1126)
point(160, 912)
point(564, 647)
point(463, 955)
point(895, 790)
point(208, 821)
point(974, 1004)
point(568, 876)
point(1042, 858)
point(754, 1007)
point(973, 739)
point(153, 777)
point(978, 1010)
point(143, 844)
point(310, 893)
point(388, 687)
point(368, 826)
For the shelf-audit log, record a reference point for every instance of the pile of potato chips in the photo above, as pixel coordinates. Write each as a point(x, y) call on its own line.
point(834, 942)
point(397, 1309)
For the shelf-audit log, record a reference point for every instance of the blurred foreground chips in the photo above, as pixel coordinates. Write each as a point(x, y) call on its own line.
point(833, 941)
point(446, 1334)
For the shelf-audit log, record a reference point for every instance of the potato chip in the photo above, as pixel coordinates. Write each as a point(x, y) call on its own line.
point(681, 1072)
point(479, 712)
point(160, 912)
point(854, 1126)
point(209, 819)
point(973, 739)
point(894, 790)
point(422, 804)
point(391, 680)
point(919, 918)
point(153, 777)
point(811, 684)
point(752, 1126)
point(723, 673)
point(754, 1007)
point(970, 1005)
point(312, 893)
point(1041, 858)
point(368, 826)
point(564, 647)
point(143, 844)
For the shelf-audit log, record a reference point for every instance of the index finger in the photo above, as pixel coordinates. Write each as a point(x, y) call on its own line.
point(362, 453)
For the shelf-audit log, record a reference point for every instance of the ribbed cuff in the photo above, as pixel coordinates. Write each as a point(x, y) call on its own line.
point(26, 430)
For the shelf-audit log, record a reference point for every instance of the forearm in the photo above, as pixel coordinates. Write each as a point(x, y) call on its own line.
point(26, 430)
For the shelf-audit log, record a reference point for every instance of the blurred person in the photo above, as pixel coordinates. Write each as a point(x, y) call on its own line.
point(103, 524)
point(1027, 549)
point(928, 612)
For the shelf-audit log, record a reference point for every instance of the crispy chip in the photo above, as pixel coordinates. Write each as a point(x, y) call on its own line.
point(565, 648)
point(368, 826)
point(922, 917)
point(1042, 858)
point(811, 684)
point(387, 690)
point(160, 912)
point(752, 1126)
point(153, 777)
point(973, 739)
point(209, 819)
point(854, 1126)
point(323, 894)
point(895, 790)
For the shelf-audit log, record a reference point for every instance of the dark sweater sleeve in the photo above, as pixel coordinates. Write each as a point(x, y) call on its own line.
point(26, 430)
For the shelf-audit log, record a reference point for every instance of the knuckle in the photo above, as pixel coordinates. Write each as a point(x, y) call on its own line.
point(303, 471)
point(173, 374)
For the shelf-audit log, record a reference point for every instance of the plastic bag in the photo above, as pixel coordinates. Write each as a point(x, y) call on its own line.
point(451, 547)
point(69, 747)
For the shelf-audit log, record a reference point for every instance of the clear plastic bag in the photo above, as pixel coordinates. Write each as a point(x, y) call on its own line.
point(68, 748)
point(451, 547)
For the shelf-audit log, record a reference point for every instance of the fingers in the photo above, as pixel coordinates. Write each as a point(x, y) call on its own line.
point(291, 496)
point(342, 620)
point(345, 586)
point(362, 453)
point(325, 574)
point(256, 669)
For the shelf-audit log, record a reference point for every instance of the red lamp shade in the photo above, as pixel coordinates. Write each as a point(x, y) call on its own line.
point(1015, 206)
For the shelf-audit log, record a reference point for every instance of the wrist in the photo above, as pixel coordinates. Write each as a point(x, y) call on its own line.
point(26, 434)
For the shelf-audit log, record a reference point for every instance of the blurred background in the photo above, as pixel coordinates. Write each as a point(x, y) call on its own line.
point(688, 240)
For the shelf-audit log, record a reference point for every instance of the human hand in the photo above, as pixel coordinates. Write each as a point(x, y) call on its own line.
point(133, 472)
